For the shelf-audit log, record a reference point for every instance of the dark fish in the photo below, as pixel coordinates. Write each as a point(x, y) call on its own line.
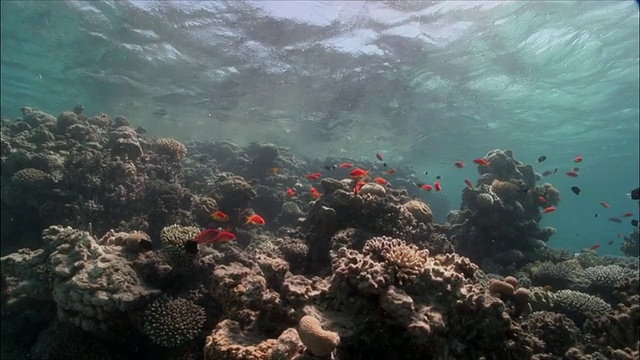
point(426, 173)
point(140, 130)
point(161, 112)
point(615, 220)
point(596, 215)
point(634, 222)
point(610, 242)
point(635, 194)
point(542, 158)
point(191, 247)
point(576, 190)
point(438, 177)
point(547, 173)
point(330, 167)
point(384, 164)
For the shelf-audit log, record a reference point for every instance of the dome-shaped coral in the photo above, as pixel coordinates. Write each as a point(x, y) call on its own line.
point(320, 342)
point(171, 147)
point(172, 322)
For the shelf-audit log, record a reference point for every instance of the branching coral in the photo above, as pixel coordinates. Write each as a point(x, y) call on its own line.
point(172, 322)
point(173, 239)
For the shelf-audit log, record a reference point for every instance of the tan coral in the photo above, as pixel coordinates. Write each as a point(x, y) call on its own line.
point(228, 341)
point(175, 149)
point(420, 211)
point(318, 341)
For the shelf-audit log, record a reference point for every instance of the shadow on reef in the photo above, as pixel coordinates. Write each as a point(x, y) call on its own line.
point(358, 270)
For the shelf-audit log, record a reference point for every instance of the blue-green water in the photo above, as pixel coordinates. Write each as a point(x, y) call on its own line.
point(423, 83)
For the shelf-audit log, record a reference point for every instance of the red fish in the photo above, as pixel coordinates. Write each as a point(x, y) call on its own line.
point(219, 216)
point(436, 186)
point(314, 176)
point(425, 187)
point(255, 219)
point(314, 193)
point(208, 236)
point(458, 164)
point(469, 184)
point(358, 173)
point(626, 215)
point(577, 159)
point(604, 204)
point(572, 173)
point(542, 199)
point(481, 162)
point(379, 156)
point(359, 184)
point(390, 171)
point(290, 192)
point(593, 247)
point(345, 165)
point(381, 181)
point(548, 210)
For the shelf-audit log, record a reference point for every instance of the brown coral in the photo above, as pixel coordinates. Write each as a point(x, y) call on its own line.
point(228, 341)
point(171, 147)
point(320, 342)
point(172, 322)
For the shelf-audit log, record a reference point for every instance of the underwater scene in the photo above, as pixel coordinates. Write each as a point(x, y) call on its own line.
point(280, 180)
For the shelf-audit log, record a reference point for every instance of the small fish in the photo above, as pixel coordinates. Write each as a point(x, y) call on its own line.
point(436, 186)
point(140, 130)
point(330, 167)
point(634, 222)
point(219, 216)
point(610, 242)
point(542, 199)
point(542, 158)
point(458, 164)
point(425, 187)
point(596, 215)
point(548, 210)
point(634, 194)
point(572, 174)
point(438, 177)
point(481, 162)
point(469, 184)
point(358, 173)
point(345, 165)
point(593, 247)
point(384, 164)
point(604, 204)
point(547, 173)
point(390, 171)
point(273, 170)
point(314, 193)
point(575, 169)
point(381, 181)
point(255, 219)
point(576, 190)
point(208, 236)
point(379, 156)
point(161, 112)
point(359, 184)
point(555, 171)
point(290, 192)
point(314, 176)
point(615, 220)
point(626, 215)
point(426, 173)
point(577, 159)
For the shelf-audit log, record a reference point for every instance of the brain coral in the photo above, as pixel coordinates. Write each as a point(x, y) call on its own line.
point(171, 147)
point(172, 322)
point(319, 342)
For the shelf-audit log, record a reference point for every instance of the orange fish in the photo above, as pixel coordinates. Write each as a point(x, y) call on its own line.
point(481, 162)
point(358, 173)
point(390, 171)
point(577, 159)
point(542, 199)
point(219, 216)
point(593, 247)
point(548, 210)
point(290, 192)
point(273, 170)
point(604, 204)
point(379, 156)
point(626, 215)
point(314, 176)
point(359, 184)
point(314, 193)
point(208, 236)
point(255, 219)
point(381, 181)
point(436, 186)
point(459, 164)
point(345, 165)
point(425, 187)
point(469, 184)
point(572, 173)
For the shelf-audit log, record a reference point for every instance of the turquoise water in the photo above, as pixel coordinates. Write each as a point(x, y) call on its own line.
point(423, 83)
